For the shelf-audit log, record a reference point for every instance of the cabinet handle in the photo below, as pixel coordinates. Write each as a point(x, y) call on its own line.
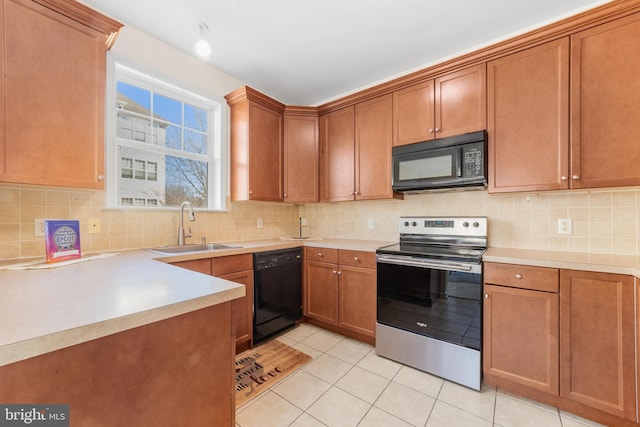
point(100, 177)
point(320, 254)
point(518, 276)
point(355, 258)
point(431, 130)
point(250, 192)
point(486, 296)
point(335, 272)
point(576, 177)
point(339, 273)
point(564, 178)
point(286, 195)
point(437, 130)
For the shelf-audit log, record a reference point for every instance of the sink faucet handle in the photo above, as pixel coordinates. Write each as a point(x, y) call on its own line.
point(189, 234)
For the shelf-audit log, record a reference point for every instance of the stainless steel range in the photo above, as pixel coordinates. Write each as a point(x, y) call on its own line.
point(429, 312)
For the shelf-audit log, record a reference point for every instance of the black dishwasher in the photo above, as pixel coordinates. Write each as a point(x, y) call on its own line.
point(277, 291)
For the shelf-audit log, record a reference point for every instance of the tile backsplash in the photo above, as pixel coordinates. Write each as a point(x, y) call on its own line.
point(603, 221)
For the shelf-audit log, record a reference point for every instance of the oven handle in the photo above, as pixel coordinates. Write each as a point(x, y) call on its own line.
point(425, 264)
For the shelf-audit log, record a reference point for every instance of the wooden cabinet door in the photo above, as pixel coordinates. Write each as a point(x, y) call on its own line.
point(357, 303)
point(337, 130)
point(265, 153)
point(301, 158)
point(597, 342)
point(413, 114)
point(520, 336)
point(200, 265)
point(321, 291)
point(53, 98)
point(528, 111)
point(242, 309)
point(605, 110)
point(461, 102)
point(373, 136)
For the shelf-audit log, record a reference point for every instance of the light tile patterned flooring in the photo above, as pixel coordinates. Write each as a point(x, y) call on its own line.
point(347, 385)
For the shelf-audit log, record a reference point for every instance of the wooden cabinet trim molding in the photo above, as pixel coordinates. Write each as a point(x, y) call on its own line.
point(86, 16)
point(296, 110)
point(246, 92)
point(562, 28)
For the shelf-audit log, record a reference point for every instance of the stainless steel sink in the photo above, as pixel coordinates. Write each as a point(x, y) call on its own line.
point(195, 247)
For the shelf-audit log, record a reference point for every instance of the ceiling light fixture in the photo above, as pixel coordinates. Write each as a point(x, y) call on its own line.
point(202, 47)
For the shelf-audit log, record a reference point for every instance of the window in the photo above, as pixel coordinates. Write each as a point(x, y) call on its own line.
point(126, 168)
point(164, 144)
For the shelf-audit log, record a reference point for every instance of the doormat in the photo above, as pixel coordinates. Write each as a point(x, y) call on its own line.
point(261, 367)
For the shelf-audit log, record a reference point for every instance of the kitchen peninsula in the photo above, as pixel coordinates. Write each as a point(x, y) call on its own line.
point(123, 340)
point(127, 339)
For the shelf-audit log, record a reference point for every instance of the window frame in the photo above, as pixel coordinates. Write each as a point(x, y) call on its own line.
point(216, 156)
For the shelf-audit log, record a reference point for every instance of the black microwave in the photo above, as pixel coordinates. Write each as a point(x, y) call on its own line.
point(451, 162)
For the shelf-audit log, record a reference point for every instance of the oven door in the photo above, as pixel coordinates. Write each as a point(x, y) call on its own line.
point(436, 299)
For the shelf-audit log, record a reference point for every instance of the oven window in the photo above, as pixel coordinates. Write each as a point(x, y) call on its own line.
point(444, 305)
point(426, 167)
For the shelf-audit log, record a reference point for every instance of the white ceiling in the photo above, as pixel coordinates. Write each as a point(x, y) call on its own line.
point(306, 52)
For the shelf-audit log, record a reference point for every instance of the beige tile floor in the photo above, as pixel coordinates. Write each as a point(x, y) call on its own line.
point(347, 385)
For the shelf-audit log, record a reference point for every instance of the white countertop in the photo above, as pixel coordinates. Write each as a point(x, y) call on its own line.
point(49, 309)
point(604, 263)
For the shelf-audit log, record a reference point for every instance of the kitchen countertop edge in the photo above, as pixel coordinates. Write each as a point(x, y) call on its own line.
point(210, 291)
point(603, 263)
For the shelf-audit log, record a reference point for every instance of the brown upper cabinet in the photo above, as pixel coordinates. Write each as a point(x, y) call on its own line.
point(337, 154)
point(605, 112)
point(301, 155)
point(449, 105)
point(356, 151)
point(52, 114)
point(528, 119)
point(256, 146)
point(563, 117)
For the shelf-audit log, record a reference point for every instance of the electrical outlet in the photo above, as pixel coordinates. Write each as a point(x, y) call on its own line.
point(564, 226)
point(371, 224)
point(259, 223)
point(38, 227)
point(94, 225)
point(303, 222)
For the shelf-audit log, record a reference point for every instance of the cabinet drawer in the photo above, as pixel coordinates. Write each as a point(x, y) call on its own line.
point(200, 265)
point(522, 276)
point(321, 254)
point(357, 258)
point(231, 264)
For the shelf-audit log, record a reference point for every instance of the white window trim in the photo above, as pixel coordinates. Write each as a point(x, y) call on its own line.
point(218, 167)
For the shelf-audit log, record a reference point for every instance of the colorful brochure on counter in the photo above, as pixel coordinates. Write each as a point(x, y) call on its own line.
point(62, 240)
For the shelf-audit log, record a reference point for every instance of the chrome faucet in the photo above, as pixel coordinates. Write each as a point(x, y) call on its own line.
point(192, 217)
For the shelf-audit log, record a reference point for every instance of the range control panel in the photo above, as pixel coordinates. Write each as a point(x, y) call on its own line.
point(447, 226)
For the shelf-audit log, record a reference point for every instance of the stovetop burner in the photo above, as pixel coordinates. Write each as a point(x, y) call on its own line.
point(435, 252)
point(442, 238)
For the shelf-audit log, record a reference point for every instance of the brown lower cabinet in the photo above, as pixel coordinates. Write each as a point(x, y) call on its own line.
point(562, 337)
point(239, 269)
point(340, 291)
point(177, 371)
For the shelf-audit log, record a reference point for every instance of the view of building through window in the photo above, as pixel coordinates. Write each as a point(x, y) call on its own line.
point(163, 148)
